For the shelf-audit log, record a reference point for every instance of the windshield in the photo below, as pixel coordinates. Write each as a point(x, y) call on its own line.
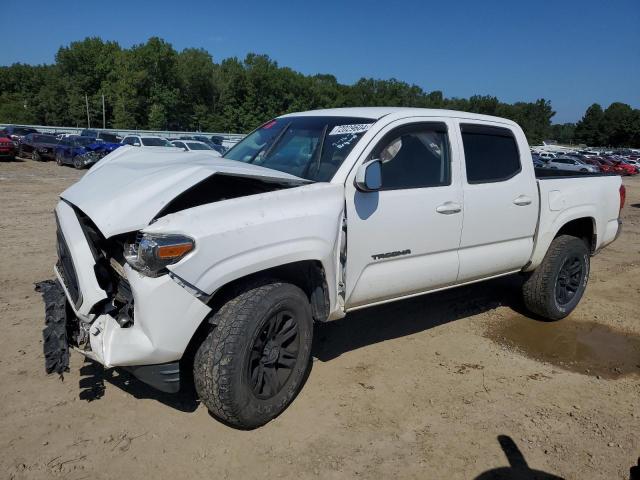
point(308, 147)
point(198, 146)
point(155, 142)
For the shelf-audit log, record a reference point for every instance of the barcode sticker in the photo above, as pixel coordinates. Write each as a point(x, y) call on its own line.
point(349, 129)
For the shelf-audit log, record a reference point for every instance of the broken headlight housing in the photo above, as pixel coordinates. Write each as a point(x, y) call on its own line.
point(151, 253)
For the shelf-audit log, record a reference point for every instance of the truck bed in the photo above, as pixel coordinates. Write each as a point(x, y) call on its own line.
point(565, 196)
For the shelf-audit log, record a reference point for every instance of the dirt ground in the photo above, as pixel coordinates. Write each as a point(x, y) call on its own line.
point(454, 385)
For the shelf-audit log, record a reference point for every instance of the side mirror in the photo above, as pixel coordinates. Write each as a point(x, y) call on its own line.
point(369, 176)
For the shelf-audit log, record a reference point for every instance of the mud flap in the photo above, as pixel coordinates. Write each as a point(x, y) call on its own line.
point(56, 343)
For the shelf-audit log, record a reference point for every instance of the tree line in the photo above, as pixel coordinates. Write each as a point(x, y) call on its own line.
point(153, 86)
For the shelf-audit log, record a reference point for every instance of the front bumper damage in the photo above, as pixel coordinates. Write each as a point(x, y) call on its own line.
point(141, 323)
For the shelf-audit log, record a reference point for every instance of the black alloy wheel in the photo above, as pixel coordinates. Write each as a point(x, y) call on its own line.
point(273, 355)
point(569, 280)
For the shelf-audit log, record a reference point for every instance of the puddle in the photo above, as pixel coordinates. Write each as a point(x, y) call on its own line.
point(578, 346)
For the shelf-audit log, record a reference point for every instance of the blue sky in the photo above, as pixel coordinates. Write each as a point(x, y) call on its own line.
point(569, 51)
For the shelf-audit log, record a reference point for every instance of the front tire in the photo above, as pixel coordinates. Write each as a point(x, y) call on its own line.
point(253, 363)
point(555, 288)
point(35, 156)
point(59, 159)
point(77, 163)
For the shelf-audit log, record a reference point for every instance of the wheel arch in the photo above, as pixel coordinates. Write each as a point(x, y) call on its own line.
point(581, 225)
point(583, 228)
point(308, 275)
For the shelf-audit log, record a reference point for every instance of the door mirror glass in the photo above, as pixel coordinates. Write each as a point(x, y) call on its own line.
point(369, 176)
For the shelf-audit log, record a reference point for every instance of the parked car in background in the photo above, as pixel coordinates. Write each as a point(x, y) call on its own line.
point(593, 162)
point(38, 146)
point(572, 164)
point(191, 145)
point(537, 162)
point(547, 155)
point(625, 168)
point(217, 140)
point(146, 141)
point(16, 132)
point(204, 139)
point(607, 166)
point(100, 135)
point(82, 152)
point(7, 147)
point(635, 163)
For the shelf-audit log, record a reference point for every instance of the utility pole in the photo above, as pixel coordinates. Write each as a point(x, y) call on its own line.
point(104, 122)
point(86, 99)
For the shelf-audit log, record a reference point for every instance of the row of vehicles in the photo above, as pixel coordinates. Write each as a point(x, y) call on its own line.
point(84, 150)
point(618, 163)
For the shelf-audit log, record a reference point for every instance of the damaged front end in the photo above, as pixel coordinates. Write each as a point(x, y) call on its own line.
point(55, 335)
point(113, 314)
point(121, 244)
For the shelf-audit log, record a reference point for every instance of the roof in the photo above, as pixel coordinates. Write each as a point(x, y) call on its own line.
point(376, 113)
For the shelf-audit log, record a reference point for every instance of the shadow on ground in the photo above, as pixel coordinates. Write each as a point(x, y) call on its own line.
point(398, 319)
point(92, 386)
point(332, 339)
point(518, 468)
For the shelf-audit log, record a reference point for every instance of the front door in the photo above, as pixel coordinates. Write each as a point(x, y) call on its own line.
point(404, 238)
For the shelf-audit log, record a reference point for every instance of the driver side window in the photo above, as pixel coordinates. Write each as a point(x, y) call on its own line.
point(415, 156)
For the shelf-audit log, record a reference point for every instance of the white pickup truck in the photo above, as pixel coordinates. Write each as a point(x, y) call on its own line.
point(309, 217)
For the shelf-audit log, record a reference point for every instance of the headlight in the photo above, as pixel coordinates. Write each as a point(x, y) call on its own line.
point(152, 253)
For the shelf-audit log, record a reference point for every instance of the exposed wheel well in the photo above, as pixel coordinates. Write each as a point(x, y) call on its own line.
point(308, 275)
point(583, 228)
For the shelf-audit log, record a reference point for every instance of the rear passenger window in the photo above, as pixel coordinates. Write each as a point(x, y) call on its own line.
point(415, 156)
point(491, 153)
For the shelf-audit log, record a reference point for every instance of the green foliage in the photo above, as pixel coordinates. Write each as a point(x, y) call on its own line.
point(564, 133)
point(151, 85)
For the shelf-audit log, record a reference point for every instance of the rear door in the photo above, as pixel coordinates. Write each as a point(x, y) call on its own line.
point(500, 200)
point(403, 239)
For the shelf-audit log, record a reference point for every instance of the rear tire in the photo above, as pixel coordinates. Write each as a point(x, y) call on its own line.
point(555, 288)
point(253, 363)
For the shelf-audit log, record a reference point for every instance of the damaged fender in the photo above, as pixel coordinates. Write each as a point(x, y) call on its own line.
point(241, 236)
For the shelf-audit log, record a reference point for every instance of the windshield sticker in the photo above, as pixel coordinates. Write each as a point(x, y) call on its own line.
point(346, 129)
point(344, 141)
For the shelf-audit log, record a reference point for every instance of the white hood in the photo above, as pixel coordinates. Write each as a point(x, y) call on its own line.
point(128, 187)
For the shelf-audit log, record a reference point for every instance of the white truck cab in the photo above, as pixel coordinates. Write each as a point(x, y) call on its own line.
point(310, 216)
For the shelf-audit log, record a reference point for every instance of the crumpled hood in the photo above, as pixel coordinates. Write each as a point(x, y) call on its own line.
point(128, 187)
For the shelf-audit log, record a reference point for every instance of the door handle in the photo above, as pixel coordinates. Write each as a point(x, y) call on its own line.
point(522, 200)
point(447, 208)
